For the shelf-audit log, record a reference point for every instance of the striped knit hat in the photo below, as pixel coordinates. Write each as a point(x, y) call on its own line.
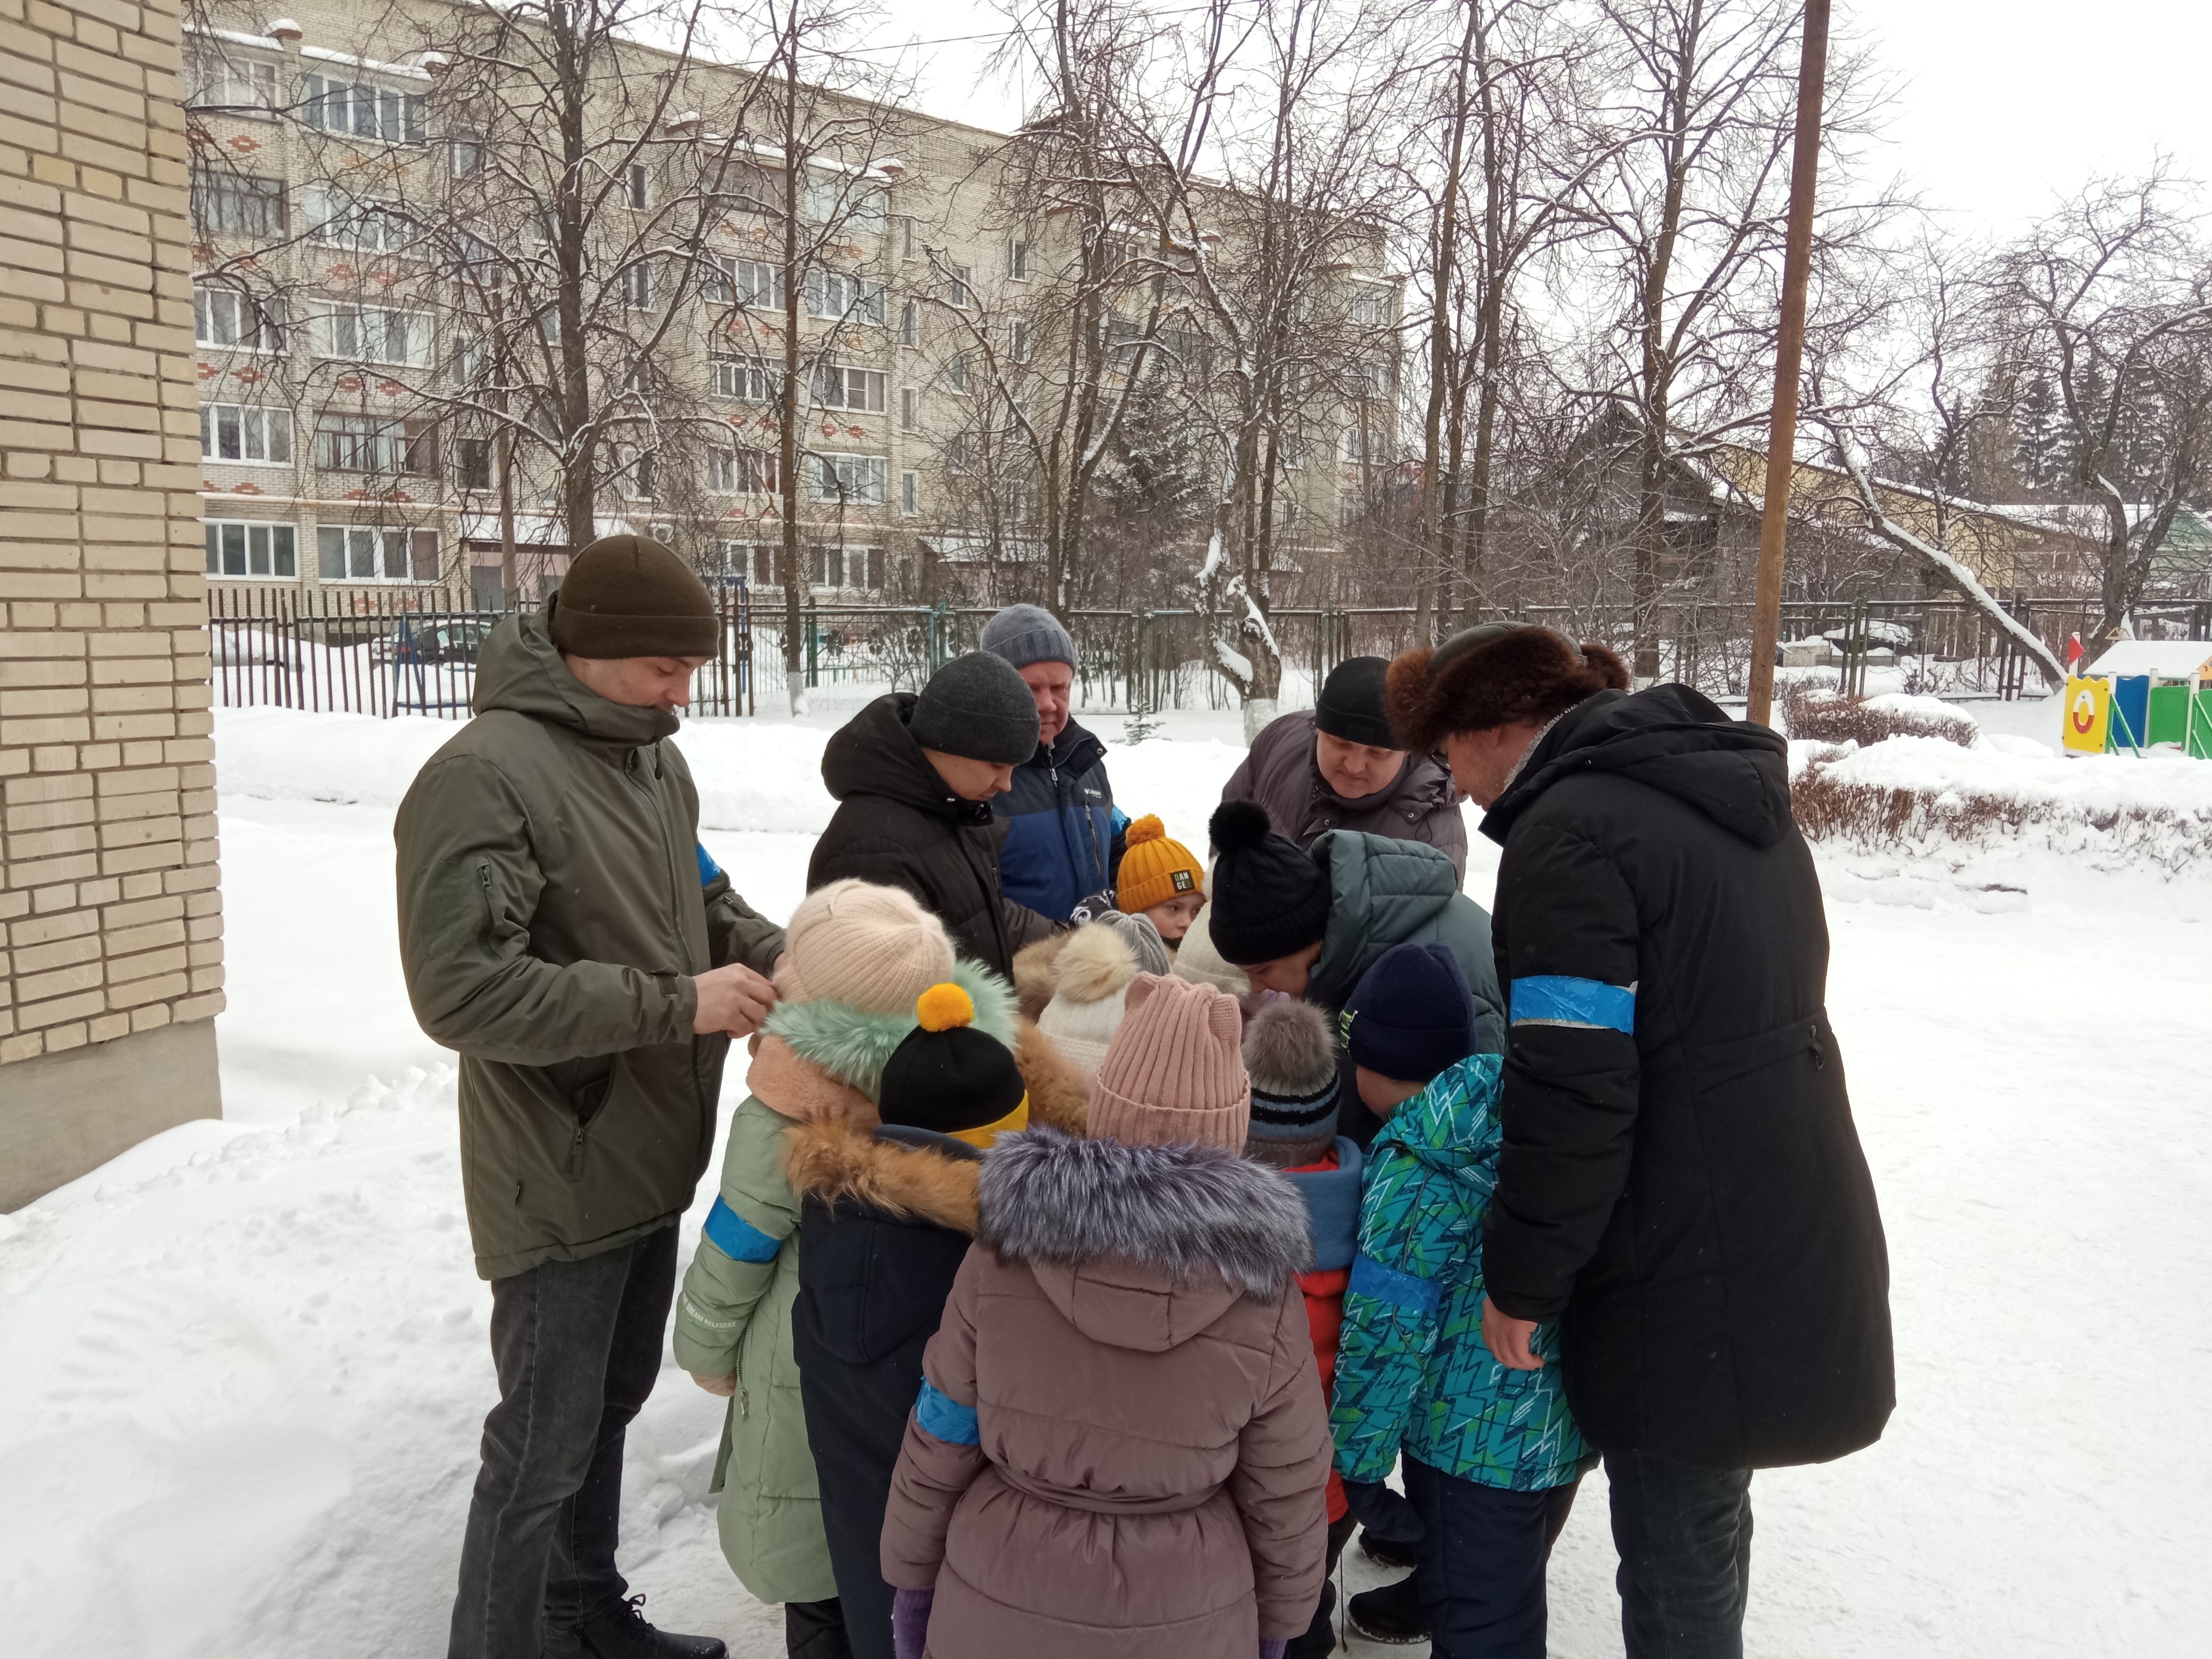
point(1172, 1076)
point(1291, 1054)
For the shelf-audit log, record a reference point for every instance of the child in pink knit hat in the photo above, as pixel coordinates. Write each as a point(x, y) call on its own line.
point(1122, 1391)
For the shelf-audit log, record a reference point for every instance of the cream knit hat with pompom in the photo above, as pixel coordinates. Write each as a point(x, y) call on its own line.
point(872, 948)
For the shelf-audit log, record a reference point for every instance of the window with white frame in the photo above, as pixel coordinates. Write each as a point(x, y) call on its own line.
point(466, 155)
point(338, 218)
point(741, 472)
point(1368, 378)
point(1359, 445)
point(747, 380)
point(246, 433)
point(955, 453)
point(472, 463)
point(910, 494)
point(1017, 340)
point(845, 200)
point(216, 78)
point(956, 290)
point(851, 480)
point(753, 282)
point(348, 553)
point(637, 186)
point(955, 372)
point(1017, 261)
point(857, 389)
point(227, 316)
point(360, 109)
point(909, 246)
point(910, 323)
point(346, 442)
point(640, 472)
point(241, 547)
point(909, 409)
point(637, 285)
point(840, 294)
point(370, 334)
point(832, 566)
point(1370, 305)
point(225, 204)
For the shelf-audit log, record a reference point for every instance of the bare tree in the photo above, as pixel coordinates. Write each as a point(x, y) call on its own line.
point(2113, 292)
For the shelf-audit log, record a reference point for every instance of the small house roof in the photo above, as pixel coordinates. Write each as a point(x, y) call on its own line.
point(2165, 659)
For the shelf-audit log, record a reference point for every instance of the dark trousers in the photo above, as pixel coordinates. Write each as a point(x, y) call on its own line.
point(1684, 1535)
point(577, 1346)
point(1482, 1554)
point(815, 1629)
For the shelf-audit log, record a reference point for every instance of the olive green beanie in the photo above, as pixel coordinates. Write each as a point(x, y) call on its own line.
point(627, 596)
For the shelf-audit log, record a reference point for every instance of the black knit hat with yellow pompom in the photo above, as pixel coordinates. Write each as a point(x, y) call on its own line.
point(948, 1076)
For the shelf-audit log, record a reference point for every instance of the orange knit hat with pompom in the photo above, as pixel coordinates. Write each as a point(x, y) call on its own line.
point(1155, 869)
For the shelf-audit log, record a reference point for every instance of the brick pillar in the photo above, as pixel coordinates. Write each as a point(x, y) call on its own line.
point(111, 969)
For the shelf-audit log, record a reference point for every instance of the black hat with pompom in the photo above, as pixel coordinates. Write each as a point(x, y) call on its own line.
point(1270, 897)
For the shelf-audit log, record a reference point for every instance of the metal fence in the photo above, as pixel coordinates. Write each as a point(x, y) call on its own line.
point(397, 652)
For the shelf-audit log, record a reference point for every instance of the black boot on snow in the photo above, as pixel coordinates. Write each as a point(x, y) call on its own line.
point(621, 1632)
point(1392, 1613)
point(1387, 1555)
point(1320, 1639)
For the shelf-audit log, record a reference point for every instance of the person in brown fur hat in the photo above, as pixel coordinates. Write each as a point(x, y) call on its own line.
point(1660, 932)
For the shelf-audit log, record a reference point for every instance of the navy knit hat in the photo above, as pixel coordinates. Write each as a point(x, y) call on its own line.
point(1411, 1017)
point(1270, 896)
point(1024, 633)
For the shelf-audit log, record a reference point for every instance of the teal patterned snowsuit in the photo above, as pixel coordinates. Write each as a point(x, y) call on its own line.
point(1413, 1373)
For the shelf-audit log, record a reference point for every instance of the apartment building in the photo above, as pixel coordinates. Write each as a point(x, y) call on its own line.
point(372, 315)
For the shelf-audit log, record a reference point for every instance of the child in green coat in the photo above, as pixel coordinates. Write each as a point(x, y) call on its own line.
point(1491, 1455)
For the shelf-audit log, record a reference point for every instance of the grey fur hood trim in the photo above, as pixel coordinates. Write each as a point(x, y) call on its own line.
point(1045, 1196)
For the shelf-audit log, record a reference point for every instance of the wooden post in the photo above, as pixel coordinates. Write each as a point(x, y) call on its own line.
point(1782, 429)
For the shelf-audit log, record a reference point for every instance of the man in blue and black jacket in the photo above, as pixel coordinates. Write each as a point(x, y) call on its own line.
point(1064, 839)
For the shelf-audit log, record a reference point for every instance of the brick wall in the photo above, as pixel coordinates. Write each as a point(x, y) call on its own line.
point(110, 919)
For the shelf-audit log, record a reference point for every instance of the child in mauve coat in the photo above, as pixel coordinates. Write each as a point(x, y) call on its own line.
point(1291, 1054)
point(1491, 1455)
point(1119, 1450)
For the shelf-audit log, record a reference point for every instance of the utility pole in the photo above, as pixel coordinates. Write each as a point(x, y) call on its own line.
point(1788, 358)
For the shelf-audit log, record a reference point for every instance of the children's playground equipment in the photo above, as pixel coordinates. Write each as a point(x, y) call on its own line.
point(2141, 695)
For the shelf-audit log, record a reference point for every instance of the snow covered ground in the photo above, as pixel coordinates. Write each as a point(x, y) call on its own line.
point(242, 1368)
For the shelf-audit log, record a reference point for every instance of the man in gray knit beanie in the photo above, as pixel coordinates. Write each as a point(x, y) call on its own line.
point(1064, 838)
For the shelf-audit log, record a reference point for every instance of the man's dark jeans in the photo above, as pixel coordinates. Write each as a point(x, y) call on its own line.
point(577, 1344)
point(1482, 1554)
point(1684, 1535)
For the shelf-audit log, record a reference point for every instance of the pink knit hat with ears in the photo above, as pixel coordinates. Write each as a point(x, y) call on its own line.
point(1174, 1073)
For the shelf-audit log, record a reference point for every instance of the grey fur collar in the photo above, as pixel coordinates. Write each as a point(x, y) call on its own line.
point(1045, 1196)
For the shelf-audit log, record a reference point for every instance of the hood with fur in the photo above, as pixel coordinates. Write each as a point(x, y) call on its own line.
point(1209, 1226)
point(853, 1046)
point(834, 1156)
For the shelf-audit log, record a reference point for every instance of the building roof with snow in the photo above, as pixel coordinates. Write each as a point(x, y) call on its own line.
point(2162, 659)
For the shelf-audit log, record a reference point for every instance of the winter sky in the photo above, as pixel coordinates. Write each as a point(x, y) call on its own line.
point(1998, 104)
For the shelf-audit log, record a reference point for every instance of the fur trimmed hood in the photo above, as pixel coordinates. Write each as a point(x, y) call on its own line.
point(1050, 1198)
point(833, 1156)
point(853, 1046)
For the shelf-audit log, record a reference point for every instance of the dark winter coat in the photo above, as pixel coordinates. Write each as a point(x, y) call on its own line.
point(1681, 1180)
point(1384, 892)
point(1063, 837)
point(554, 905)
point(1280, 773)
point(1120, 1448)
point(897, 825)
point(886, 1216)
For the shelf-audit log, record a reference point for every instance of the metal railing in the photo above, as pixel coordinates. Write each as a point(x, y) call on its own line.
point(405, 653)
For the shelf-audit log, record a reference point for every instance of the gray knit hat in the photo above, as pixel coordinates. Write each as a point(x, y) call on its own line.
point(977, 706)
point(1024, 633)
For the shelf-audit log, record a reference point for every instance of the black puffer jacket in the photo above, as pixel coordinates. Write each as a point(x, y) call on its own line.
point(1681, 1179)
point(898, 826)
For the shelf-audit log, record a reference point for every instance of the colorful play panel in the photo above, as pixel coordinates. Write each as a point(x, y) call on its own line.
point(2140, 695)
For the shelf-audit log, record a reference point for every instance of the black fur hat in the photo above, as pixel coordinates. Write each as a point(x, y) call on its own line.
point(1493, 675)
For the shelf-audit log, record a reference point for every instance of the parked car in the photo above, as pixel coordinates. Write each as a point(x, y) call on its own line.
point(435, 640)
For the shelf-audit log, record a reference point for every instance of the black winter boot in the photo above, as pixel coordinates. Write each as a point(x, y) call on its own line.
point(1384, 1554)
point(1392, 1613)
point(622, 1632)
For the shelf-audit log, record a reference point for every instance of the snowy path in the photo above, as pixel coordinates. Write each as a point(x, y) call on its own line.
point(243, 1368)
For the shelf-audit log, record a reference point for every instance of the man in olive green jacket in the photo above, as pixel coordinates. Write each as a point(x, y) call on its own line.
point(562, 927)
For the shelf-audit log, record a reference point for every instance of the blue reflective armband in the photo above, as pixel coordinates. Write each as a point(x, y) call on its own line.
point(945, 1417)
point(1589, 1005)
point(736, 1238)
point(708, 868)
point(1418, 1297)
